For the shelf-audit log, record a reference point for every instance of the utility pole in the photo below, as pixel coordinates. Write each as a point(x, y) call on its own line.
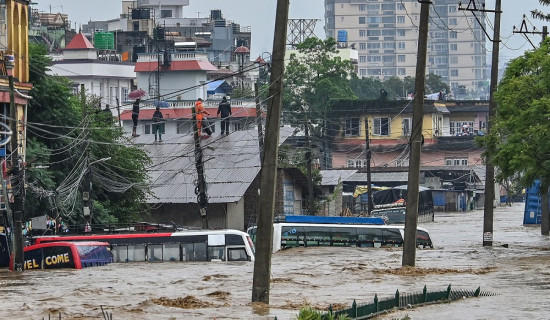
point(489, 167)
point(118, 110)
point(523, 30)
point(310, 197)
point(370, 205)
point(264, 240)
point(17, 177)
point(411, 217)
point(259, 121)
point(202, 198)
point(87, 182)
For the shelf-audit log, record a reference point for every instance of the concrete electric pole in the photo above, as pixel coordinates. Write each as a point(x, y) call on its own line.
point(264, 233)
point(411, 217)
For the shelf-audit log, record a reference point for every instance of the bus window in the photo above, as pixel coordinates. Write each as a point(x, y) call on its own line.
point(317, 236)
point(216, 253)
point(237, 254)
point(136, 253)
point(171, 252)
point(369, 237)
point(344, 237)
point(252, 233)
point(195, 251)
point(234, 240)
point(392, 237)
point(120, 253)
point(154, 252)
point(292, 236)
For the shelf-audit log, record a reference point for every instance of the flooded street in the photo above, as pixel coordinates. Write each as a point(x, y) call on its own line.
point(518, 274)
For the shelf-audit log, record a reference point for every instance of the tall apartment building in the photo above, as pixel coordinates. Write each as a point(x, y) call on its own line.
point(386, 35)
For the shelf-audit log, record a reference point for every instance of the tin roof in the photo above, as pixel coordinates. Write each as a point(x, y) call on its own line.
point(231, 163)
point(331, 177)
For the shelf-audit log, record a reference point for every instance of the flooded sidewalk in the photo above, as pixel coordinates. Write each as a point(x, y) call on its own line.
point(515, 268)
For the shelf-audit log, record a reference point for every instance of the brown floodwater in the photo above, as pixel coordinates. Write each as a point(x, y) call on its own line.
point(518, 274)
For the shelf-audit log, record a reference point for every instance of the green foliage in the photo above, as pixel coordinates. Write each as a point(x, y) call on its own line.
point(242, 92)
point(307, 313)
point(61, 130)
point(314, 76)
point(397, 88)
point(518, 140)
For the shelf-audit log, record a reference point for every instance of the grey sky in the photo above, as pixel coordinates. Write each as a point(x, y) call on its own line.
point(260, 16)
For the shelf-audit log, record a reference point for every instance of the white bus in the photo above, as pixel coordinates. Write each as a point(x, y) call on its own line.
point(288, 235)
point(189, 245)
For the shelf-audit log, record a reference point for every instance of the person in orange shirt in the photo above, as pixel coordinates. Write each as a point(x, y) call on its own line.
point(200, 112)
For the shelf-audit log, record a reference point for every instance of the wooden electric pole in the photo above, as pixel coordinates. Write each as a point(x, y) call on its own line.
point(370, 205)
point(17, 181)
point(264, 238)
point(411, 217)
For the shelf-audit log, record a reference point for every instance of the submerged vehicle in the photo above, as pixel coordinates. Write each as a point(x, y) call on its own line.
point(189, 245)
point(64, 254)
point(289, 235)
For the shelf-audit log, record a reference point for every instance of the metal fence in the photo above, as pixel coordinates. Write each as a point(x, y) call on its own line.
point(402, 301)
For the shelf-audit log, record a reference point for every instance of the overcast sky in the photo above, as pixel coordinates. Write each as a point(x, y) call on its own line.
point(260, 16)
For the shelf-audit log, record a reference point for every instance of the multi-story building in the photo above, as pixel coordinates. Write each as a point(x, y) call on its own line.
point(386, 35)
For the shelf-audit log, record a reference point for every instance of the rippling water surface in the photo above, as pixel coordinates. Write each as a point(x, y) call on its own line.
point(518, 274)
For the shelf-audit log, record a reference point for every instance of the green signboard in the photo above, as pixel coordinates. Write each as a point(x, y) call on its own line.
point(104, 40)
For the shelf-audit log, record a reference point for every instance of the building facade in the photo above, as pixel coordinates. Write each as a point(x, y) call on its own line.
point(386, 35)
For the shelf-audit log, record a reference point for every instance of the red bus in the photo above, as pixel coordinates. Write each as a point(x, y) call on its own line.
point(64, 254)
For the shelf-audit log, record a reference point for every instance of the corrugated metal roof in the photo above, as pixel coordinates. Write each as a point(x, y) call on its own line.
point(331, 177)
point(379, 176)
point(231, 163)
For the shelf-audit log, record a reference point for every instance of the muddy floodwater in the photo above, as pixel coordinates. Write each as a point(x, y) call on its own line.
point(516, 269)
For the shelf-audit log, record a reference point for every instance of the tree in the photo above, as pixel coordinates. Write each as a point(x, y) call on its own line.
point(434, 84)
point(519, 141)
point(537, 14)
point(313, 77)
point(58, 136)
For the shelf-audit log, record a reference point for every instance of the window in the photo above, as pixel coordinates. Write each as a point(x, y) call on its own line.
point(453, 47)
point(362, 7)
point(401, 71)
point(454, 72)
point(373, 33)
point(382, 126)
point(454, 59)
point(363, 72)
point(452, 8)
point(362, 59)
point(401, 58)
point(374, 58)
point(361, 20)
point(362, 46)
point(373, 45)
point(356, 163)
point(388, 6)
point(362, 33)
point(453, 34)
point(400, 19)
point(125, 94)
point(460, 128)
point(401, 32)
point(373, 7)
point(166, 13)
point(388, 59)
point(452, 21)
point(456, 161)
point(401, 45)
point(406, 127)
point(352, 127)
point(373, 19)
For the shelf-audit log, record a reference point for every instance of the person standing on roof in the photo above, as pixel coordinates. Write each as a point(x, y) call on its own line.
point(135, 115)
point(224, 109)
point(157, 124)
point(200, 114)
